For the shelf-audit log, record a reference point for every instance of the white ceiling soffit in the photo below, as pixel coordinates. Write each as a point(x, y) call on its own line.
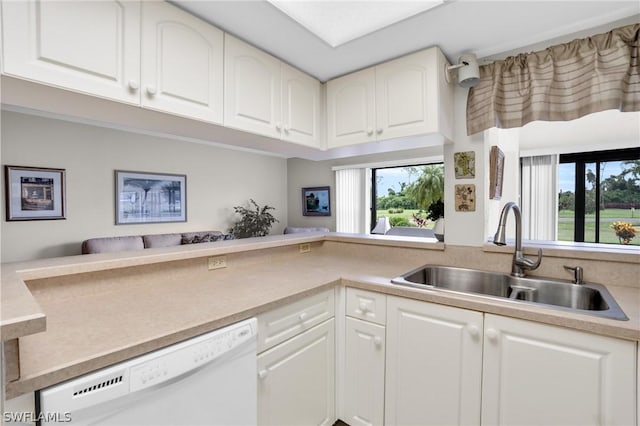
point(338, 22)
point(486, 28)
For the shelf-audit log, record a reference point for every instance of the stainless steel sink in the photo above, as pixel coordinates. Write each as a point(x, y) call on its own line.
point(592, 299)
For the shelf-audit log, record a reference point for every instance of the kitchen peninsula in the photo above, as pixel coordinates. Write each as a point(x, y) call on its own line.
point(76, 314)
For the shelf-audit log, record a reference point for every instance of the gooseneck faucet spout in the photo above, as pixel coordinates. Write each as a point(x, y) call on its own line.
point(520, 262)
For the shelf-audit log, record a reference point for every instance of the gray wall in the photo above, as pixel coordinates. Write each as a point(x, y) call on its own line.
point(305, 174)
point(217, 180)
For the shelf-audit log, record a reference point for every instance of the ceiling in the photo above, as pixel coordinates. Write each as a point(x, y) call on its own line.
point(490, 29)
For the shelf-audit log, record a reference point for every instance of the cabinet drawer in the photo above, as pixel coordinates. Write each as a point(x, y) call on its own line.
point(367, 305)
point(280, 324)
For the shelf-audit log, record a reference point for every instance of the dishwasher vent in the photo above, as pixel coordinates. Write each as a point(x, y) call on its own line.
point(100, 385)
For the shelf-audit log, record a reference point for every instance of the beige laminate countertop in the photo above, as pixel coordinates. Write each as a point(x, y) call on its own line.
point(104, 309)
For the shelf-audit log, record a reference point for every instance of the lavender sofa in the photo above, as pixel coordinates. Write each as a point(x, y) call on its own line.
point(140, 242)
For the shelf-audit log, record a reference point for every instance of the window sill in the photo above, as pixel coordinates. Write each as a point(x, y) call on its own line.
point(588, 251)
point(387, 240)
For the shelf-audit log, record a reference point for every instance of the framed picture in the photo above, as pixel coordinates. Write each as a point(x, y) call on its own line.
point(465, 164)
point(465, 198)
point(150, 197)
point(34, 193)
point(316, 201)
point(496, 173)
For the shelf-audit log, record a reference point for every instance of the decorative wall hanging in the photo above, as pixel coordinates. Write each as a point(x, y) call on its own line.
point(465, 164)
point(496, 173)
point(34, 193)
point(466, 198)
point(150, 197)
point(316, 201)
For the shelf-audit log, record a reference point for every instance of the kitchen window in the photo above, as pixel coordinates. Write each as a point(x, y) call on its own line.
point(599, 197)
point(402, 194)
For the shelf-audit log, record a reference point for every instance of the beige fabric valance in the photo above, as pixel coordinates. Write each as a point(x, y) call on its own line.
point(559, 83)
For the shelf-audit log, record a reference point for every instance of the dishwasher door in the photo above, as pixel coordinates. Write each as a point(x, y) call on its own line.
point(208, 380)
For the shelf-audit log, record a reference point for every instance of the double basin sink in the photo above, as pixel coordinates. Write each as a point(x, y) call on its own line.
point(591, 299)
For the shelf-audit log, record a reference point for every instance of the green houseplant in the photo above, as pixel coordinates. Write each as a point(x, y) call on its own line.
point(255, 221)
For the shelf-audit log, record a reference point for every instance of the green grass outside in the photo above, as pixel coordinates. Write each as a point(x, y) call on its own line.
point(604, 214)
point(608, 216)
point(565, 228)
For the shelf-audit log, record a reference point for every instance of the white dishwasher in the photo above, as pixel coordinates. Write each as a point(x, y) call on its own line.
point(207, 380)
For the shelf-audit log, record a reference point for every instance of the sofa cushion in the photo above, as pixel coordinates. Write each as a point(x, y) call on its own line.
point(202, 237)
point(293, 230)
point(162, 240)
point(110, 244)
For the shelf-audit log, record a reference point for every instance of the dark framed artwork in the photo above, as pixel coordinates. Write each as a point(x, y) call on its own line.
point(496, 173)
point(316, 201)
point(150, 197)
point(34, 193)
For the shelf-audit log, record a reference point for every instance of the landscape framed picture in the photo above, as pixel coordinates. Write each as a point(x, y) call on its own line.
point(316, 201)
point(150, 197)
point(34, 193)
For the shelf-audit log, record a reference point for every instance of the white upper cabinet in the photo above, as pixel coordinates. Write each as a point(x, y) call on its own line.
point(404, 97)
point(94, 47)
point(182, 63)
point(87, 46)
point(300, 107)
point(538, 374)
point(252, 89)
point(351, 113)
point(266, 96)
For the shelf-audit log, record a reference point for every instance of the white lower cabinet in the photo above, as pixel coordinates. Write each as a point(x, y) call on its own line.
point(536, 374)
point(296, 379)
point(434, 364)
point(364, 373)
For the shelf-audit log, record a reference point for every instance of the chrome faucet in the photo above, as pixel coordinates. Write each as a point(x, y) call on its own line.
point(520, 262)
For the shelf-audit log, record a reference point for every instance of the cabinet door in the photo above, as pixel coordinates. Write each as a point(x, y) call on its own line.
point(434, 364)
point(86, 46)
point(251, 89)
point(364, 373)
point(536, 374)
point(300, 107)
point(296, 380)
point(407, 95)
point(181, 63)
point(351, 109)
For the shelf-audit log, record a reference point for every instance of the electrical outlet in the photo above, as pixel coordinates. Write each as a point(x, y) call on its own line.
point(217, 262)
point(305, 248)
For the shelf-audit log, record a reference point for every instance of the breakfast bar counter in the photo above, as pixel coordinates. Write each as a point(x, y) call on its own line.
point(106, 308)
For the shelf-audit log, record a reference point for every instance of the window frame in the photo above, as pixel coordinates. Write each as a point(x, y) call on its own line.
point(374, 187)
point(581, 159)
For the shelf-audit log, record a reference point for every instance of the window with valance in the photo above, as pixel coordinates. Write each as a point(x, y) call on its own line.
point(560, 83)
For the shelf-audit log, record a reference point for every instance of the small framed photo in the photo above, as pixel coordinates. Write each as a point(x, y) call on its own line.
point(150, 197)
point(465, 164)
point(316, 201)
point(465, 198)
point(34, 193)
point(496, 173)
